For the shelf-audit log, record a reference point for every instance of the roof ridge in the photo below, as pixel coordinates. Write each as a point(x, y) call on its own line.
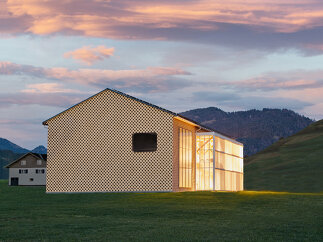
point(20, 157)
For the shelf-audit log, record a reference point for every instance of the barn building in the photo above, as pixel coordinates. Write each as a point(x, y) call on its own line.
point(28, 170)
point(113, 142)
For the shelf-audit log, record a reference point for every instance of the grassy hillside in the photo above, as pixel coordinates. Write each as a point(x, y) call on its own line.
point(29, 214)
point(291, 164)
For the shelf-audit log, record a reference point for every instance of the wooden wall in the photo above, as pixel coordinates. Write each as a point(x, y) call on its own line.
point(90, 147)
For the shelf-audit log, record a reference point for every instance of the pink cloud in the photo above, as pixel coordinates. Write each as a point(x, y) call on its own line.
point(268, 83)
point(262, 24)
point(291, 80)
point(47, 88)
point(149, 79)
point(311, 95)
point(44, 99)
point(318, 47)
point(43, 94)
point(109, 18)
point(88, 55)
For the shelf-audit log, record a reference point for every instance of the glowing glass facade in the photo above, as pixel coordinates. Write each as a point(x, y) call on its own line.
point(185, 158)
point(219, 163)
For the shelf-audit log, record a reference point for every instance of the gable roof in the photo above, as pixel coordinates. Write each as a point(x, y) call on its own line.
point(115, 91)
point(36, 155)
point(141, 101)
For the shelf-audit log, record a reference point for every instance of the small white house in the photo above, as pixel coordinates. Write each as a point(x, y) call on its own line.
point(28, 170)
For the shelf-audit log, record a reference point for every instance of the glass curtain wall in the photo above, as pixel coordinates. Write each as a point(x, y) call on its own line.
point(225, 156)
point(204, 162)
point(185, 158)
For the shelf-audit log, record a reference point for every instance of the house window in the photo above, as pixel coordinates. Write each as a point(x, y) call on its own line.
point(26, 171)
point(23, 162)
point(43, 171)
point(185, 158)
point(20, 171)
point(39, 162)
point(23, 171)
point(144, 142)
point(31, 179)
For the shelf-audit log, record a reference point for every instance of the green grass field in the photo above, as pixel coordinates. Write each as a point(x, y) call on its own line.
point(292, 164)
point(28, 213)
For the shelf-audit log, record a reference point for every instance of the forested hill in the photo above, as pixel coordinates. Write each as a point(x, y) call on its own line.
point(256, 129)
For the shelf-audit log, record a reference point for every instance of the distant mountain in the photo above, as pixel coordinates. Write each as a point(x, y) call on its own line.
point(40, 150)
point(7, 145)
point(293, 164)
point(256, 129)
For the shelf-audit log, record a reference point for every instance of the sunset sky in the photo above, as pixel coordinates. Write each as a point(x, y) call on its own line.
point(178, 54)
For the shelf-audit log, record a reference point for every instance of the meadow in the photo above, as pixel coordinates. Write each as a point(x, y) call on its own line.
point(28, 213)
point(293, 164)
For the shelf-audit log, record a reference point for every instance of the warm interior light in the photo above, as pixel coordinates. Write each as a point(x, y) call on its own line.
point(228, 163)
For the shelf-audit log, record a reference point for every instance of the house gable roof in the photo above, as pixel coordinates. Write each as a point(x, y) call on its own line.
point(115, 91)
point(36, 155)
point(141, 101)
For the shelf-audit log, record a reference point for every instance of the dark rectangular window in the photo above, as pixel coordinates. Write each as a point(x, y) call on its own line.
point(144, 142)
point(43, 171)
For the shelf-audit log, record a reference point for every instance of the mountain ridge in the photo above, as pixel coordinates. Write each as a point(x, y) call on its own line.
point(5, 144)
point(256, 129)
point(40, 150)
point(8, 145)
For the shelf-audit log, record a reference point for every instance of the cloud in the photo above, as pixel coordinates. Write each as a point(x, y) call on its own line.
point(43, 94)
point(43, 99)
point(290, 80)
point(89, 16)
point(47, 88)
point(315, 46)
point(243, 24)
point(88, 55)
point(9, 68)
point(151, 79)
